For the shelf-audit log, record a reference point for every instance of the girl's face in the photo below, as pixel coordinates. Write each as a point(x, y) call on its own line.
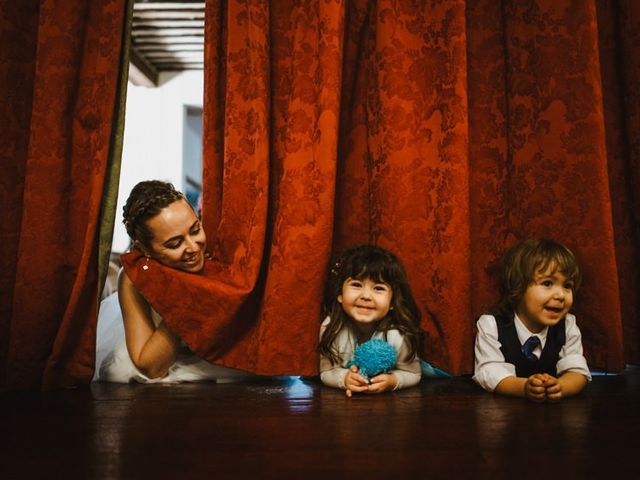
point(365, 301)
point(178, 238)
point(546, 300)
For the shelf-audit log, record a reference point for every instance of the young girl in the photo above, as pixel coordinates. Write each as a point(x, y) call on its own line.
point(529, 345)
point(368, 296)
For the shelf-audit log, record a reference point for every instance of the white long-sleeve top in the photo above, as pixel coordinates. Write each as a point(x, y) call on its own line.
point(491, 367)
point(407, 371)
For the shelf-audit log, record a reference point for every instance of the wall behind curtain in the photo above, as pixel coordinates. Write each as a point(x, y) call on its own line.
point(444, 131)
point(60, 71)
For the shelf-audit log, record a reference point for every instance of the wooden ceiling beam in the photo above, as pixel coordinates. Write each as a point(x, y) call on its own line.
point(168, 6)
point(168, 14)
point(170, 40)
point(165, 32)
point(166, 36)
point(141, 71)
point(182, 47)
point(169, 24)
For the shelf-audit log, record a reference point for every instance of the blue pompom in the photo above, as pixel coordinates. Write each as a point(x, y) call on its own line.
point(374, 357)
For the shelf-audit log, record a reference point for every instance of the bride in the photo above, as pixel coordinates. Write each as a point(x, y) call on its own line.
point(133, 341)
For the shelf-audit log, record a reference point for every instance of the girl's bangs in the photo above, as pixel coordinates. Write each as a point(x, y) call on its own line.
point(375, 270)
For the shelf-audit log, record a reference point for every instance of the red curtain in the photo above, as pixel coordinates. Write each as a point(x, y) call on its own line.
point(444, 131)
point(59, 74)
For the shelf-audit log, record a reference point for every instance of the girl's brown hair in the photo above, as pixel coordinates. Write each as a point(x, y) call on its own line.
point(362, 262)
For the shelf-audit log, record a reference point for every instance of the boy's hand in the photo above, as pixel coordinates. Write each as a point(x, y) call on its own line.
point(534, 388)
point(382, 383)
point(354, 382)
point(553, 388)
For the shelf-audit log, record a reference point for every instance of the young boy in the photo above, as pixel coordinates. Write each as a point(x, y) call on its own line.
point(529, 345)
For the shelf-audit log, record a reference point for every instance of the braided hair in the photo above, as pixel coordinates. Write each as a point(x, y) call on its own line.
point(145, 201)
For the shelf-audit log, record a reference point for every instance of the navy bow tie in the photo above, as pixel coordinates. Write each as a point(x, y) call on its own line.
point(529, 346)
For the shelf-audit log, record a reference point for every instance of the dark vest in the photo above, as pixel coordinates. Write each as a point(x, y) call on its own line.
point(512, 349)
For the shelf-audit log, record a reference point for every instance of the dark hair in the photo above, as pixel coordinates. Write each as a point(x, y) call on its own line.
point(368, 261)
point(145, 201)
point(520, 265)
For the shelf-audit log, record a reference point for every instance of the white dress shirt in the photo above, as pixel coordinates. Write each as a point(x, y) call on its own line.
point(491, 367)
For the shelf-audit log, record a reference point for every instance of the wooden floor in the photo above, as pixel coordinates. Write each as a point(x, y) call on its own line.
point(290, 428)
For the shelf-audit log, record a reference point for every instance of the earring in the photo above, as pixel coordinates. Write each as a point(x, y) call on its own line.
point(146, 263)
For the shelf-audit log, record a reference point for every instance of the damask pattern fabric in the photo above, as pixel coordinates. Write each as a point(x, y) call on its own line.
point(58, 84)
point(443, 131)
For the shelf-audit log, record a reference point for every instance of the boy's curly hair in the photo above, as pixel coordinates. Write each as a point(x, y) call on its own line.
point(520, 265)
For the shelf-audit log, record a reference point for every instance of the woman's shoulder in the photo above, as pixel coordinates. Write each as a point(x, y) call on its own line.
point(128, 292)
point(123, 280)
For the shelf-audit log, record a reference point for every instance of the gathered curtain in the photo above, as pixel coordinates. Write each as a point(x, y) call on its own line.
point(443, 131)
point(60, 80)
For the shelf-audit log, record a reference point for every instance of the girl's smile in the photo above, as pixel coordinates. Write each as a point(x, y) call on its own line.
point(365, 301)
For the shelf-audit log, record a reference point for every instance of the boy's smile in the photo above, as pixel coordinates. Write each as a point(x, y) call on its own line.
point(546, 301)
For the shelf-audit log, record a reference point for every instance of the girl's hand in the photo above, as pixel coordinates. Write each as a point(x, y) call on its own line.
point(382, 383)
point(354, 382)
point(534, 388)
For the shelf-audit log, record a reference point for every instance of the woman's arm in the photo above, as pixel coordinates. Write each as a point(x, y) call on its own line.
point(152, 350)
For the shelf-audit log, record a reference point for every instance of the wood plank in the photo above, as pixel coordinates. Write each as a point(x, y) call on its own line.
point(141, 71)
point(182, 47)
point(170, 23)
point(292, 429)
point(167, 14)
point(166, 32)
point(168, 6)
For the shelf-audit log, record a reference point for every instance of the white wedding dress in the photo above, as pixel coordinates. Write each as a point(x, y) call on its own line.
point(113, 363)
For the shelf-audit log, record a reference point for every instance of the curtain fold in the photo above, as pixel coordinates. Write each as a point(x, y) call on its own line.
point(66, 105)
point(443, 131)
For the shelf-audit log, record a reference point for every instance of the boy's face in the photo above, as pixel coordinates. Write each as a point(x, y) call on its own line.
point(546, 301)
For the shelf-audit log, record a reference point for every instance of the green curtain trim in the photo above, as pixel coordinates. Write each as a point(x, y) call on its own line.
point(112, 177)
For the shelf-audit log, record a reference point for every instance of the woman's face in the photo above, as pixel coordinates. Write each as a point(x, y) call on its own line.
point(178, 238)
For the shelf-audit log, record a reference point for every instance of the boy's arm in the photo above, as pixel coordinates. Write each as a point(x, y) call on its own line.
point(532, 388)
point(567, 385)
point(490, 367)
point(571, 355)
